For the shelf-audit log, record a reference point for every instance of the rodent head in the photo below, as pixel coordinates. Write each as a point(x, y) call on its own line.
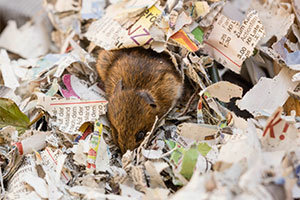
point(131, 114)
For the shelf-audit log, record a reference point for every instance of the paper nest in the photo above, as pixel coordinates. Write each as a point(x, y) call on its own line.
point(55, 138)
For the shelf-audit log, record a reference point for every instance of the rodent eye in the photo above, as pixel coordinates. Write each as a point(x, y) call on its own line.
point(139, 136)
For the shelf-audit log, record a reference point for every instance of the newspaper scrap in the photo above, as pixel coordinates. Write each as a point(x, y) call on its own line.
point(295, 92)
point(197, 132)
point(296, 77)
point(29, 41)
point(274, 12)
point(110, 31)
point(156, 180)
point(202, 8)
point(63, 18)
point(80, 151)
point(212, 104)
point(8, 93)
point(38, 184)
point(182, 38)
point(128, 12)
point(279, 134)
point(248, 144)
point(92, 9)
point(63, 6)
point(231, 43)
point(109, 34)
point(58, 62)
point(296, 8)
point(34, 143)
point(9, 77)
point(69, 114)
point(275, 90)
point(103, 156)
point(290, 59)
point(50, 162)
point(94, 145)
point(49, 62)
point(17, 187)
point(181, 20)
point(236, 10)
point(76, 88)
point(223, 91)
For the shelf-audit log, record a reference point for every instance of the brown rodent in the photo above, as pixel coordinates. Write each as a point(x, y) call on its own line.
point(139, 85)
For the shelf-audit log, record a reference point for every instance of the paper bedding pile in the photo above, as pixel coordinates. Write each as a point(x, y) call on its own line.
point(55, 139)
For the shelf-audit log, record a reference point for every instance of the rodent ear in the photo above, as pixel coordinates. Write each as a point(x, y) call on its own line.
point(148, 98)
point(119, 87)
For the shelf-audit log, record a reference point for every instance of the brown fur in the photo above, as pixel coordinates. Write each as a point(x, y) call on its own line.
point(133, 79)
